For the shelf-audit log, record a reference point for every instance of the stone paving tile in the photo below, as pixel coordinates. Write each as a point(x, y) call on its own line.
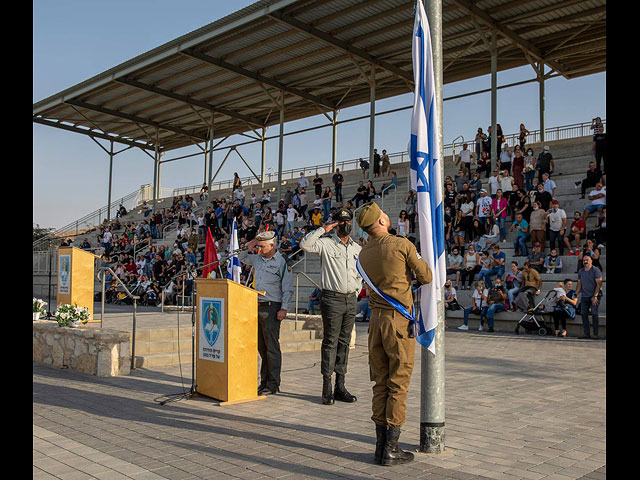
point(515, 410)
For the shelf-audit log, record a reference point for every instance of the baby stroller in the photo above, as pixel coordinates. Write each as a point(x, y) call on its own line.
point(533, 321)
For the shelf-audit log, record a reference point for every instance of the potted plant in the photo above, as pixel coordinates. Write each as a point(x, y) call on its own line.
point(38, 308)
point(72, 315)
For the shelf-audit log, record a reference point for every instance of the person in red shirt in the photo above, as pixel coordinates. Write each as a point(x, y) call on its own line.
point(578, 232)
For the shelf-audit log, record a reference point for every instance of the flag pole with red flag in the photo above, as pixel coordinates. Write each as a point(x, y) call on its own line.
point(210, 255)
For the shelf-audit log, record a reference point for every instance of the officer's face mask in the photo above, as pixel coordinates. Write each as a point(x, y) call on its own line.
point(344, 229)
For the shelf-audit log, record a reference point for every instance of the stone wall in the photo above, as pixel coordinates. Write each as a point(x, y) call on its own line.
point(96, 351)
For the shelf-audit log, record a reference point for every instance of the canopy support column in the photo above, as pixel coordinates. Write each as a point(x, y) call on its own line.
point(494, 97)
point(541, 99)
point(209, 178)
point(334, 150)
point(156, 164)
point(280, 147)
point(263, 140)
point(110, 181)
point(372, 120)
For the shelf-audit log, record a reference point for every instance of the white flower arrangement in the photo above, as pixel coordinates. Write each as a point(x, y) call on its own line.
point(71, 315)
point(38, 305)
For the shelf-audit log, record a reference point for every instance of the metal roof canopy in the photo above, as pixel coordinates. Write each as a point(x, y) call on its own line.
point(318, 54)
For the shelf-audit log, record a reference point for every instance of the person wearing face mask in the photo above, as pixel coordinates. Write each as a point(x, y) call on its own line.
point(340, 283)
point(529, 169)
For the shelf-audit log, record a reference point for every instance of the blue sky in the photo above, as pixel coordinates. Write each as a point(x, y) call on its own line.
point(74, 40)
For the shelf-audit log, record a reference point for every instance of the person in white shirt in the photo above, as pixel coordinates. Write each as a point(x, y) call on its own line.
point(483, 207)
point(505, 158)
point(292, 214)
point(465, 159)
point(598, 199)
point(479, 307)
point(556, 217)
point(239, 194)
point(494, 183)
point(280, 223)
point(302, 181)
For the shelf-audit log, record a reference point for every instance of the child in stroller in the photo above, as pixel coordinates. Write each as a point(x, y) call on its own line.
point(533, 320)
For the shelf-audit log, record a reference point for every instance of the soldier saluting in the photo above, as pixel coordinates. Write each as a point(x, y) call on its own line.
point(386, 263)
point(340, 283)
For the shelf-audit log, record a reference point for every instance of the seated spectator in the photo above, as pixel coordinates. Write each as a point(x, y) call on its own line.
point(505, 159)
point(537, 258)
point(553, 262)
point(520, 243)
point(392, 185)
point(598, 199)
point(499, 213)
point(531, 285)
point(475, 185)
point(549, 185)
point(403, 224)
point(565, 307)
point(600, 229)
point(286, 249)
point(483, 207)
point(590, 290)
point(589, 250)
point(479, 304)
point(513, 282)
point(578, 231)
point(542, 197)
point(455, 265)
point(491, 237)
point(362, 307)
point(314, 300)
point(152, 294)
point(458, 231)
point(496, 298)
point(461, 179)
point(594, 176)
point(498, 260)
point(484, 164)
point(477, 231)
point(85, 245)
point(485, 266)
point(450, 299)
point(364, 166)
point(471, 267)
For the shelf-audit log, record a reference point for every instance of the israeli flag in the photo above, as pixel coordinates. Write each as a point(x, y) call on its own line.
point(233, 262)
point(426, 178)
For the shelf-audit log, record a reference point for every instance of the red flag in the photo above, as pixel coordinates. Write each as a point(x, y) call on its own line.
point(210, 255)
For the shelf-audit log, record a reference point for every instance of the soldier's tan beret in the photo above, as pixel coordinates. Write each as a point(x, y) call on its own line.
point(368, 215)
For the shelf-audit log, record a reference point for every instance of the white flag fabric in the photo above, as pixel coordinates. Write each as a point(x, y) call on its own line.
point(426, 178)
point(233, 262)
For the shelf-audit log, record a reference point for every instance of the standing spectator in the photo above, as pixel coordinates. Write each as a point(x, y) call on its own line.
point(545, 163)
point(499, 212)
point(480, 138)
point(302, 181)
point(506, 157)
point(292, 215)
point(500, 138)
point(304, 203)
point(338, 179)
point(458, 231)
point(522, 228)
point(467, 208)
point(518, 167)
point(590, 290)
point(479, 304)
point(280, 222)
point(537, 223)
point(557, 219)
point(529, 169)
point(386, 163)
point(376, 163)
point(598, 199)
point(598, 147)
point(483, 207)
point(531, 285)
point(549, 185)
point(327, 195)
point(317, 184)
point(522, 205)
point(236, 181)
point(464, 159)
point(522, 136)
point(494, 183)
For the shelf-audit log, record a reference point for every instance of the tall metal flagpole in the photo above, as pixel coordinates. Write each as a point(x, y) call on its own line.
point(432, 421)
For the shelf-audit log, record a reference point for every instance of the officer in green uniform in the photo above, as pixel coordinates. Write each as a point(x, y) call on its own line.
point(388, 261)
point(274, 278)
point(340, 283)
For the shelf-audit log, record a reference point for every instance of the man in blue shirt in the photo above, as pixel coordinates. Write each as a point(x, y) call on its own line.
point(590, 288)
point(498, 260)
point(522, 227)
point(296, 236)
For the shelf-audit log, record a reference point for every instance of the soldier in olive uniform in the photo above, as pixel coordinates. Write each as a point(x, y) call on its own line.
point(340, 283)
point(388, 260)
point(272, 276)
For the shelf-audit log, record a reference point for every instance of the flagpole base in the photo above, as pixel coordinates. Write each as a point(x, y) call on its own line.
point(432, 437)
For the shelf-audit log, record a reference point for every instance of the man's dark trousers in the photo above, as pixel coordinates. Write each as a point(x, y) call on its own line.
point(269, 344)
point(338, 318)
point(585, 304)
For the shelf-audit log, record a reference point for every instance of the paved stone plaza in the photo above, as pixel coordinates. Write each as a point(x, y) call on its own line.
point(518, 407)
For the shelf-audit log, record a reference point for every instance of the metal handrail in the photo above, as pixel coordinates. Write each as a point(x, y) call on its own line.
point(395, 195)
point(297, 285)
point(135, 298)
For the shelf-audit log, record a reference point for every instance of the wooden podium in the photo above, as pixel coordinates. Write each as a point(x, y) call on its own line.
point(226, 353)
point(76, 270)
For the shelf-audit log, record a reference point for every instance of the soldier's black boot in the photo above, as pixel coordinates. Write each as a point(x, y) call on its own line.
point(341, 392)
point(381, 440)
point(327, 394)
point(392, 453)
